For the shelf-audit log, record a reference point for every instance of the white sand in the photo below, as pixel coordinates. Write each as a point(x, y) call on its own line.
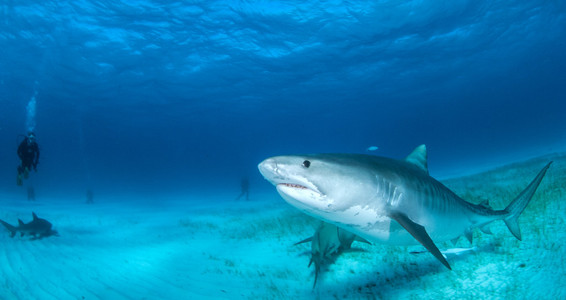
point(117, 249)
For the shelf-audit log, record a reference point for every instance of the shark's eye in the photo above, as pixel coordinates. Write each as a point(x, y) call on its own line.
point(306, 163)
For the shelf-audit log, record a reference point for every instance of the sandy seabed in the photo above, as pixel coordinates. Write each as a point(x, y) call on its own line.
point(179, 249)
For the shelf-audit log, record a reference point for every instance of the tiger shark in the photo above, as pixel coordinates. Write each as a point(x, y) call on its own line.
point(384, 200)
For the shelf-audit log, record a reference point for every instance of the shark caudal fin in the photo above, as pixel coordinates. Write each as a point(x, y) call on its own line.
point(515, 208)
point(11, 228)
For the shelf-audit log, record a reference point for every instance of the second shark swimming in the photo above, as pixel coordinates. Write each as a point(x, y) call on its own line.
point(38, 228)
point(328, 242)
point(385, 200)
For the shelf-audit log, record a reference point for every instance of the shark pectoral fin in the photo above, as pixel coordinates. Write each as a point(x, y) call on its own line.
point(420, 234)
point(361, 239)
point(303, 241)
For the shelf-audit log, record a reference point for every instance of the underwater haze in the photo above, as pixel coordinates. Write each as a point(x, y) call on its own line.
point(182, 95)
point(146, 101)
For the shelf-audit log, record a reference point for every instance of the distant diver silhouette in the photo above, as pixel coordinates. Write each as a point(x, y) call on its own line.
point(28, 152)
point(89, 197)
point(245, 184)
point(31, 194)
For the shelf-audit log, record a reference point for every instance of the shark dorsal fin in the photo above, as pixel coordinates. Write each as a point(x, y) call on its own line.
point(418, 158)
point(34, 216)
point(20, 222)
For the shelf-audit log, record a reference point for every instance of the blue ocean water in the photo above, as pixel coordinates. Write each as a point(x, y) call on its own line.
point(170, 97)
point(162, 108)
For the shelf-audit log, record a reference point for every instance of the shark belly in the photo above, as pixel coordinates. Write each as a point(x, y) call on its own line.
point(425, 202)
point(380, 228)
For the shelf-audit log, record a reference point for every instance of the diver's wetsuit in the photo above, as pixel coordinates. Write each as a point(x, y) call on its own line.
point(245, 189)
point(29, 154)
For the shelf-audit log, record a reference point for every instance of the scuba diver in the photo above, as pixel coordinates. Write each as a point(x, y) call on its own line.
point(28, 151)
point(245, 184)
point(89, 197)
point(31, 194)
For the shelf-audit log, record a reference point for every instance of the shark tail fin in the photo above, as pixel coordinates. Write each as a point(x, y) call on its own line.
point(516, 207)
point(11, 228)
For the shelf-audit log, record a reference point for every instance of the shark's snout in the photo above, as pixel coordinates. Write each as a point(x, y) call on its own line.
point(268, 168)
point(289, 175)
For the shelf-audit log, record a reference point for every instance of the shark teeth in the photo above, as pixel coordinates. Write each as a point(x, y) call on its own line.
point(298, 186)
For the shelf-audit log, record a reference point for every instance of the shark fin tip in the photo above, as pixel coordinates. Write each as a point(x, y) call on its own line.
point(419, 233)
point(513, 225)
point(516, 207)
point(419, 158)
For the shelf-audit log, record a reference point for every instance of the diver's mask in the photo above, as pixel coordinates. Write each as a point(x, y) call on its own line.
point(31, 138)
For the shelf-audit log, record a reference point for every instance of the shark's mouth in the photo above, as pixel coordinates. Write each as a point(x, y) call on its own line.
point(304, 197)
point(288, 187)
point(293, 185)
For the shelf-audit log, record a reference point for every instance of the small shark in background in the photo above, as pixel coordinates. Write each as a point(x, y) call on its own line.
point(385, 200)
point(327, 243)
point(38, 228)
point(451, 251)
